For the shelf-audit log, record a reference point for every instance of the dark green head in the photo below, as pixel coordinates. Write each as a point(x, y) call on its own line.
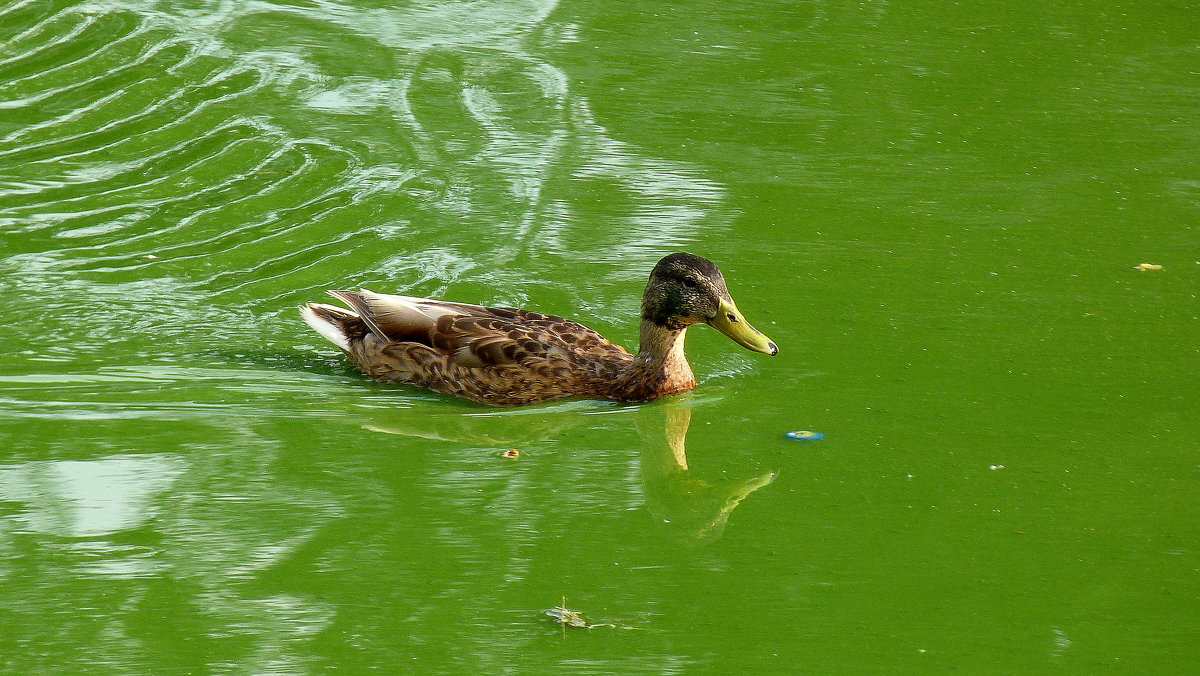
point(686, 289)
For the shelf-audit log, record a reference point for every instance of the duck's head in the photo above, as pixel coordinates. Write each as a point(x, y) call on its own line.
point(685, 289)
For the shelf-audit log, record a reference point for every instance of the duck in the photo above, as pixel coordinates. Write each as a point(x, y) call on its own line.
point(504, 356)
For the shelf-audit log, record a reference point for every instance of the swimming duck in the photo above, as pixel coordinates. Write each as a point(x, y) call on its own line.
point(508, 357)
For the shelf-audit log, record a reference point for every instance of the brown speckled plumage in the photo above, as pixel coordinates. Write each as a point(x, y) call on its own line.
point(509, 357)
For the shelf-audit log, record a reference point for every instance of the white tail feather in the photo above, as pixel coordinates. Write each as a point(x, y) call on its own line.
point(327, 329)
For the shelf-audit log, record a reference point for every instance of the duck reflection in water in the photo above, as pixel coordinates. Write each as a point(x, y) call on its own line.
point(691, 509)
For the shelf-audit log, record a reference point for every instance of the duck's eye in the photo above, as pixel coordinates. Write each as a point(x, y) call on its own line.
point(689, 282)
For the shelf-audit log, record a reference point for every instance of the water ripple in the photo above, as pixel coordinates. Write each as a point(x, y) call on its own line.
point(172, 177)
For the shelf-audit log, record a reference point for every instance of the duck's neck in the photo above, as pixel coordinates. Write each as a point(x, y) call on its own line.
point(660, 366)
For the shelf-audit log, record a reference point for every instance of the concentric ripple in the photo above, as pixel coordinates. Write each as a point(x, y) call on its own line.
point(173, 181)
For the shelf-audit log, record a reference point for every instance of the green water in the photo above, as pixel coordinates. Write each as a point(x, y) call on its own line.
point(935, 210)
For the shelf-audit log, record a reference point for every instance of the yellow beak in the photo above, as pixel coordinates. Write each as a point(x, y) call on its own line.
point(731, 322)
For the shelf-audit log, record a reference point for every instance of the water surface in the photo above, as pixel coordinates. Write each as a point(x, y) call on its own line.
point(936, 212)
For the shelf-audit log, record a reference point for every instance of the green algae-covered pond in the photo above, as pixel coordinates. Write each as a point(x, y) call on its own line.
point(936, 210)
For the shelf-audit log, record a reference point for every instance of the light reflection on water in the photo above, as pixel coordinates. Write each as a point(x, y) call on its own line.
point(485, 136)
point(87, 499)
point(232, 522)
point(137, 550)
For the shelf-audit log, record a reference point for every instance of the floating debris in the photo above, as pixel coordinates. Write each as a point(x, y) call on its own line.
point(511, 453)
point(571, 618)
point(1147, 266)
point(804, 435)
point(995, 467)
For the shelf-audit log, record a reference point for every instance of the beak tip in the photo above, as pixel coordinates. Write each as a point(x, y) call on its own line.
point(773, 348)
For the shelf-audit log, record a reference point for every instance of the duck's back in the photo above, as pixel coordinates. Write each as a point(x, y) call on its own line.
point(499, 356)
